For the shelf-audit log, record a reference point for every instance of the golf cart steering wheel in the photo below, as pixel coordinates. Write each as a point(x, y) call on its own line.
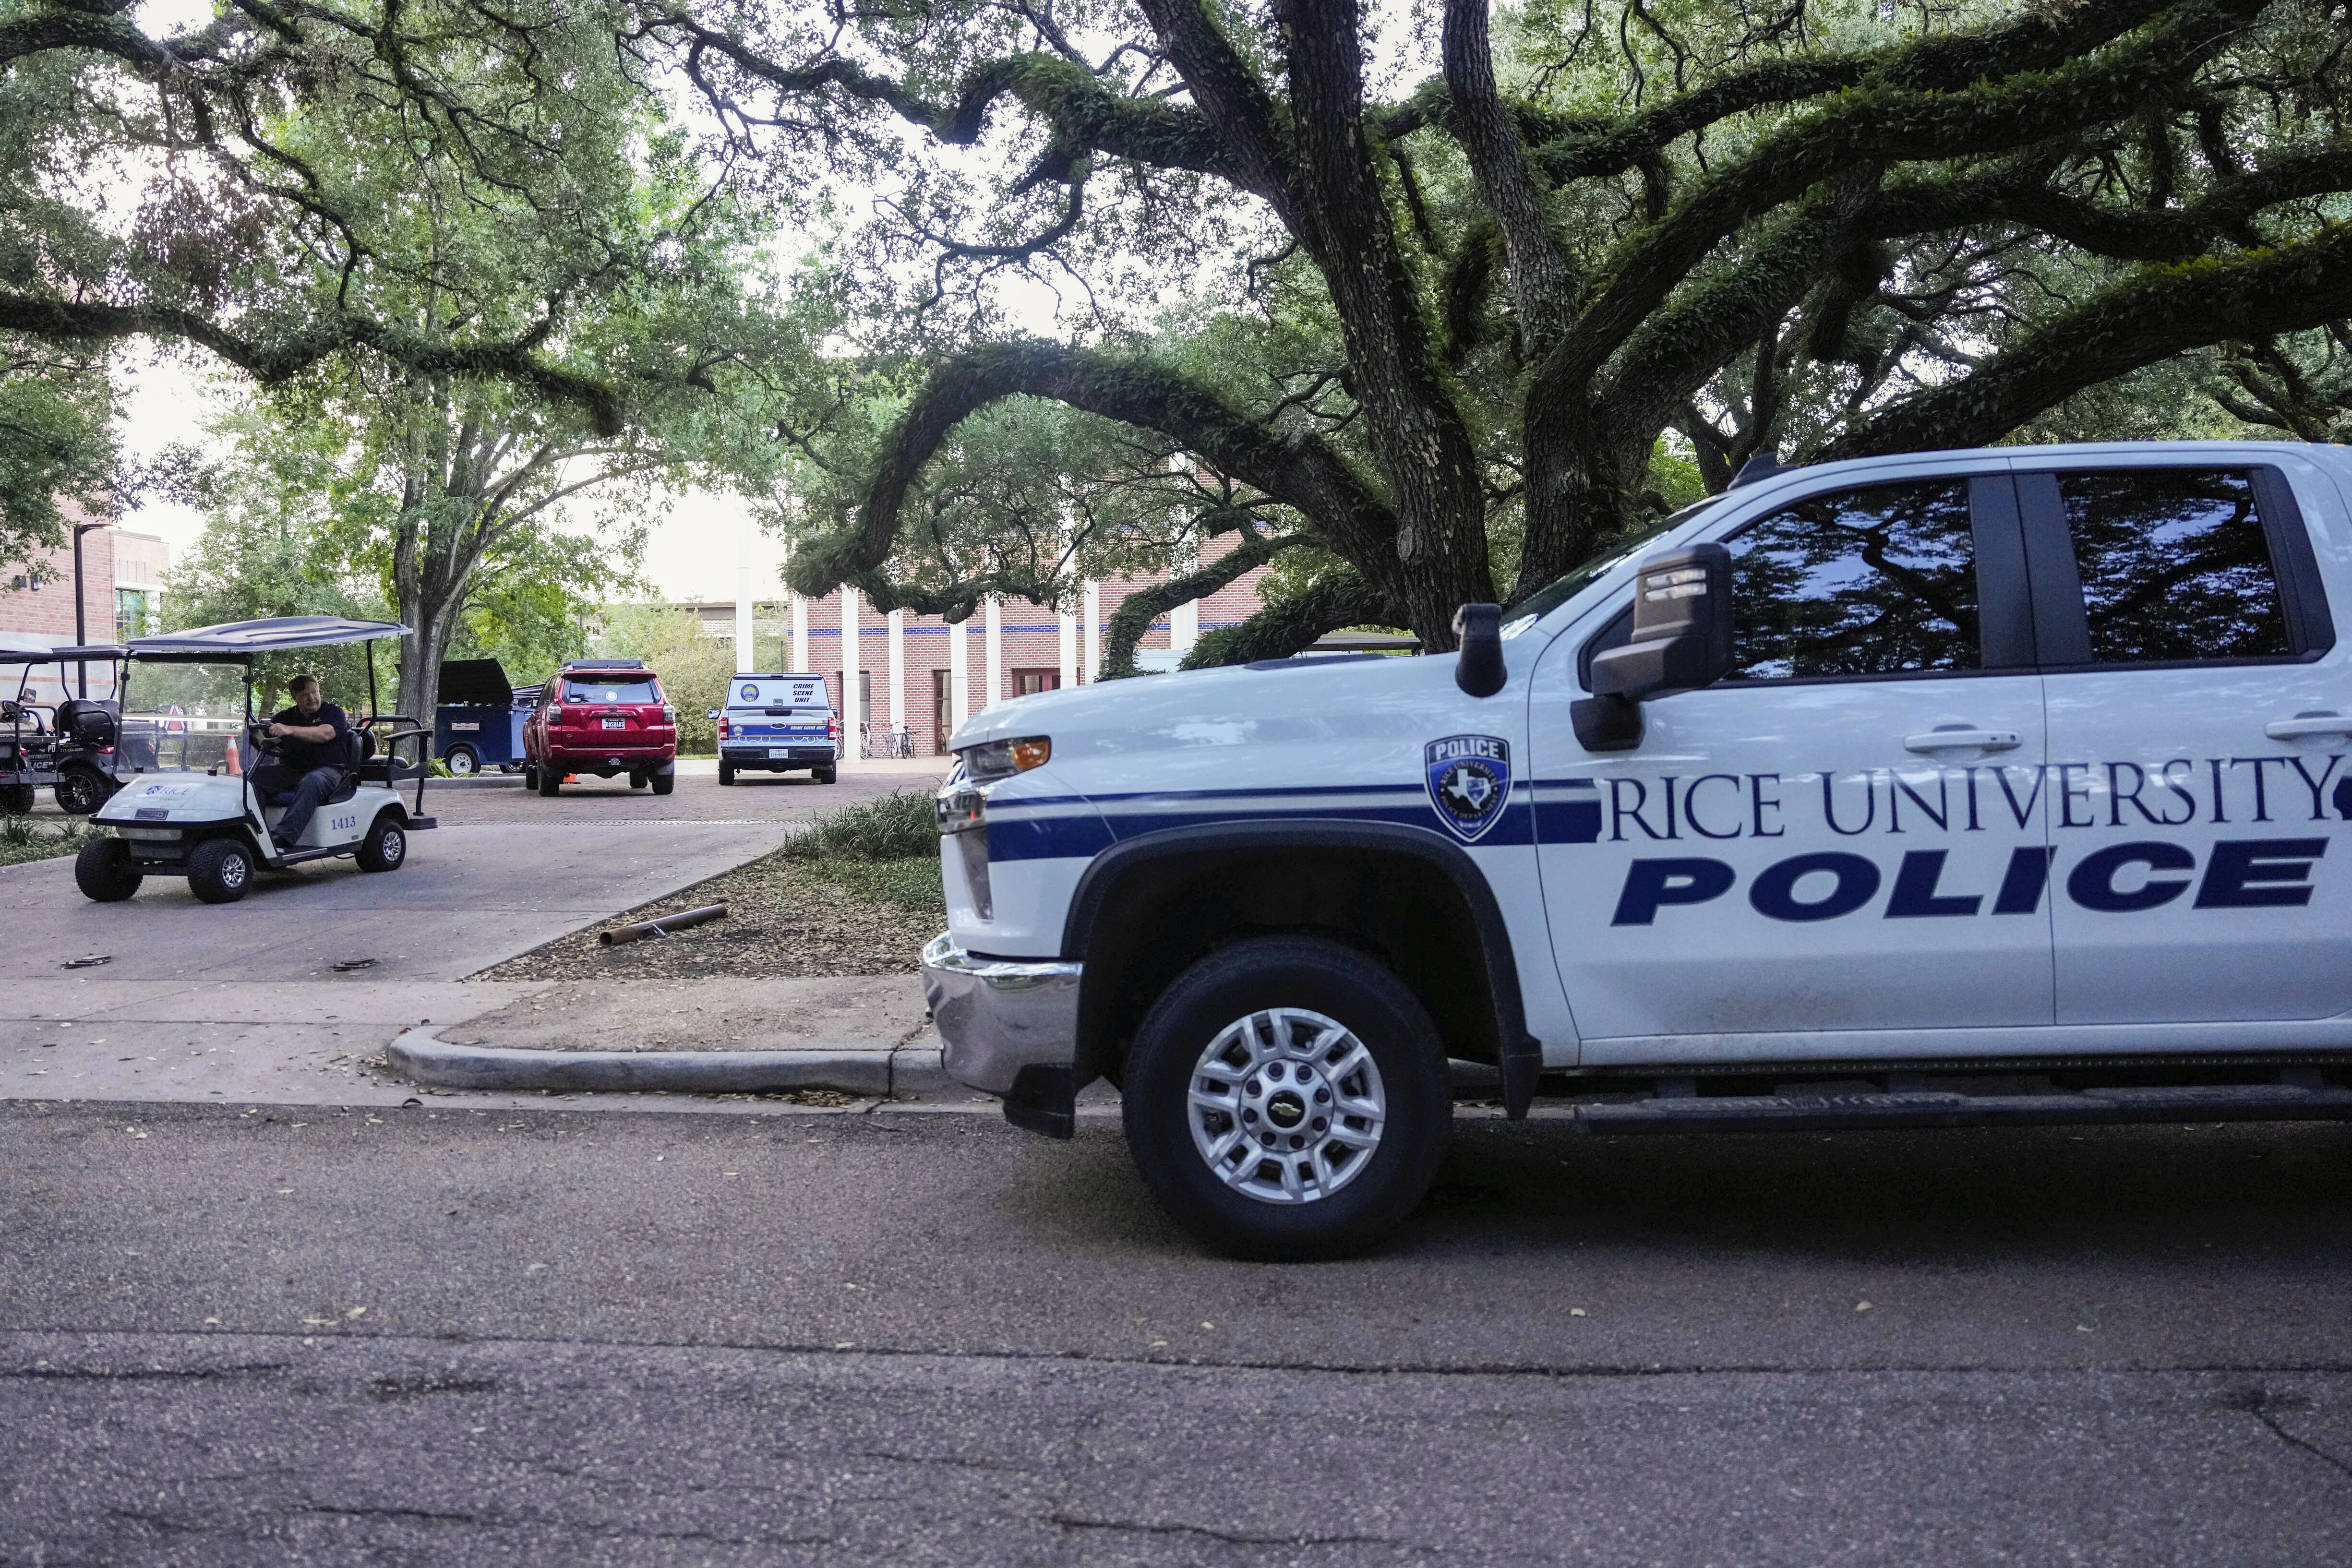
point(258, 738)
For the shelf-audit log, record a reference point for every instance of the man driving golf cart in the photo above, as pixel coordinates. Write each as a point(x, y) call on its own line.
point(184, 811)
point(313, 754)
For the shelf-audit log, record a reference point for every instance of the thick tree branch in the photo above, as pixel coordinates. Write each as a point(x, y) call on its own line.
point(1540, 285)
point(273, 362)
point(1139, 609)
point(1291, 469)
point(1332, 598)
point(2150, 317)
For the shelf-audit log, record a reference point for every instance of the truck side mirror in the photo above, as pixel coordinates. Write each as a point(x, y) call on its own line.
point(1681, 640)
point(712, 714)
point(1478, 669)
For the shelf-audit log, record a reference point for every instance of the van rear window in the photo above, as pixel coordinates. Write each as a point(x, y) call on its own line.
point(611, 692)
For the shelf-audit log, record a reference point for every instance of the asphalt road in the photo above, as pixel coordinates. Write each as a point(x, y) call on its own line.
point(437, 1335)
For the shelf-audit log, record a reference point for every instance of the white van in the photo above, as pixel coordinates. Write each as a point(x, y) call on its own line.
point(778, 724)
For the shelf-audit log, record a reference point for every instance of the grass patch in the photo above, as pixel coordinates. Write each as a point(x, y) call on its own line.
point(912, 883)
point(23, 839)
point(899, 826)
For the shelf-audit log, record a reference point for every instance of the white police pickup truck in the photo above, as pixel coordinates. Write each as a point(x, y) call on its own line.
point(777, 723)
point(1956, 788)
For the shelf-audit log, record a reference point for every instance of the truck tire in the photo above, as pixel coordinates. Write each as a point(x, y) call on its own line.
point(827, 774)
point(549, 780)
point(82, 790)
point(15, 800)
point(1287, 1100)
point(463, 761)
point(726, 774)
point(385, 846)
point(104, 872)
point(220, 871)
point(665, 781)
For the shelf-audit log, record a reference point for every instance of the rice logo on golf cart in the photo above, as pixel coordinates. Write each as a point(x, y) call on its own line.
point(1469, 778)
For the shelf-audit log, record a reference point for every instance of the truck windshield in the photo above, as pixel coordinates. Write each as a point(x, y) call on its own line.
point(1610, 557)
point(611, 692)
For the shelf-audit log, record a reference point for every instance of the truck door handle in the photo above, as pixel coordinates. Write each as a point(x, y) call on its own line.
point(1959, 737)
point(2304, 725)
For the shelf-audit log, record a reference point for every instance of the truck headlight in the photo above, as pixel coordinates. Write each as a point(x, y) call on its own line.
point(1002, 758)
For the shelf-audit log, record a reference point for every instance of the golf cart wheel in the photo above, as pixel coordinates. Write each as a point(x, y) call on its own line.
point(548, 781)
point(220, 871)
point(15, 800)
point(80, 791)
point(1287, 1100)
point(636, 780)
point(463, 762)
point(726, 774)
point(665, 781)
point(824, 775)
point(104, 872)
point(385, 846)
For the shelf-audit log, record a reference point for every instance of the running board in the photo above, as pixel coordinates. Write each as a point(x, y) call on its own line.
point(1914, 1108)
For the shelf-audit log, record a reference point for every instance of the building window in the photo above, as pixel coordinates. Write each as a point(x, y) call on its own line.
point(942, 709)
point(132, 613)
point(1029, 683)
point(866, 697)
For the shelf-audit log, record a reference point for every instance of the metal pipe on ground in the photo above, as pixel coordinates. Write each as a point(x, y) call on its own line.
point(661, 927)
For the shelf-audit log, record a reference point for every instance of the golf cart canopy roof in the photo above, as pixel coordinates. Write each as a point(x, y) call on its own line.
point(239, 640)
point(94, 653)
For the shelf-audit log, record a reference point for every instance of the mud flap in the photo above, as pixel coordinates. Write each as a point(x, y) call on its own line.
point(1522, 1065)
point(1043, 1099)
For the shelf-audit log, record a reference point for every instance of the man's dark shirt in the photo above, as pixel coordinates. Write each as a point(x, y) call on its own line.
point(303, 755)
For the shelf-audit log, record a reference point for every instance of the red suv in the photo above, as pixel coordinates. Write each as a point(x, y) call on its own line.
point(606, 717)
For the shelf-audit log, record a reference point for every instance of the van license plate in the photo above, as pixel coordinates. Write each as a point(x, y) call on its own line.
point(617, 724)
point(779, 753)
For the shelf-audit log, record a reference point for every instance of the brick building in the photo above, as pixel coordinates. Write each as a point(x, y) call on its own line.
point(121, 593)
point(920, 672)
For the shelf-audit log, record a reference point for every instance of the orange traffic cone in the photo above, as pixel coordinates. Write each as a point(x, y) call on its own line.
point(234, 768)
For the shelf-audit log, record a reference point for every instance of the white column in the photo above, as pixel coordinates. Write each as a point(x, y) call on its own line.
point(743, 620)
point(899, 671)
point(1069, 650)
point(1094, 631)
point(1184, 625)
point(992, 659)
point(799, 635)
point(958, 674)
point(849, 716)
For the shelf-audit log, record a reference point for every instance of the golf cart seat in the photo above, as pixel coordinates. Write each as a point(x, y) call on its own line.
point(388, 768)
point(87, 720)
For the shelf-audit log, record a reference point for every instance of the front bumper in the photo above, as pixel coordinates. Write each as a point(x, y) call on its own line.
point(997, 1016)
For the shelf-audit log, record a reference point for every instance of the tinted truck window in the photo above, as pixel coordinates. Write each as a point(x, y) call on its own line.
point(1865, 583)
point(2175, 567)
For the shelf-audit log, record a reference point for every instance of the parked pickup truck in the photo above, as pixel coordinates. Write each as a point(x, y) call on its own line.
point(1954, 787)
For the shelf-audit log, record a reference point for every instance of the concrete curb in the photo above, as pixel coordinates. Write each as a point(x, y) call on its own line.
point(900, 1073)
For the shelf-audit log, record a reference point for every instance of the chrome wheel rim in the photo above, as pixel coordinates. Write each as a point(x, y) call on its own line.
point(1286, 1106)
point(234, 871)
point(394, 848)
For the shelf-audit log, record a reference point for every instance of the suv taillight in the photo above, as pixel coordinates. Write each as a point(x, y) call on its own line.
point(724, 731)
point(832, 727)
point(669, 714)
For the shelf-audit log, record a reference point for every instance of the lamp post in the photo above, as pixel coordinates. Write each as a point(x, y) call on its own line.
point(81, 625)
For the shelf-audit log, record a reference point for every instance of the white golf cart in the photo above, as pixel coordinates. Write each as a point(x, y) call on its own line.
point(185, 807)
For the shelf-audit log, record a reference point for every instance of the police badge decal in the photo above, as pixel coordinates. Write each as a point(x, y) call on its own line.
point(1469, 779)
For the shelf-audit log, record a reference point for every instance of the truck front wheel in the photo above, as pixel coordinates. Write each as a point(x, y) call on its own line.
point(1287, 1100)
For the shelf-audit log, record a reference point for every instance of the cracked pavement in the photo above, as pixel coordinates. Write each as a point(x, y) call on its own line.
point(450, 1336)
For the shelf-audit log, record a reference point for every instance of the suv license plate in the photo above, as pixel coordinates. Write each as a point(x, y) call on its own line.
point(617, 724)
point(779, 753)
